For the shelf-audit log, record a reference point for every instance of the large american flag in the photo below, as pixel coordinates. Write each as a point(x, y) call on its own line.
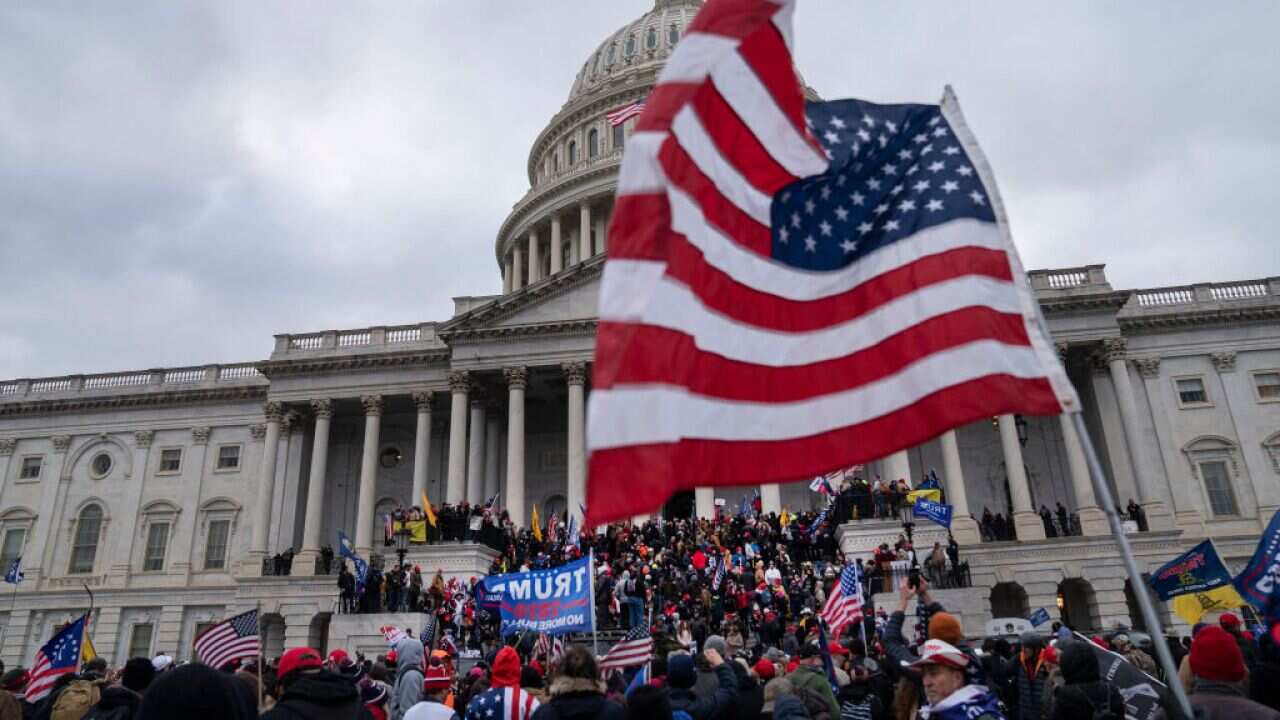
point(634, 649)
point(844, 605)
point(233, 639)
point(59, 656)
point(781, 302)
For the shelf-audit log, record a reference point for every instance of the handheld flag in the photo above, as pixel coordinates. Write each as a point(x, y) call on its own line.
point(492, 502)
point(785, 518)
point(1196, 582)
point(1258, 582)
point(844, 605)
point(929, 510)
point(930, 482)
point(426, 508)
point(14, 575)
point(817, 522)
point(358, 563)
point(791, 302)
point(635, 648)
point(571, 538)
point(87, 650)
point(59, 656)
point(536, 525)
point(233, 639)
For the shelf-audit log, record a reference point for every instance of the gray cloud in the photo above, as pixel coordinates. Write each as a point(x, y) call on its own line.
point(180, 181)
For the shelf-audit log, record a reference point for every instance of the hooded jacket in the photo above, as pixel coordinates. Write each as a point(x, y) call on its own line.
point(1082, 694)
point(706, 708)
point(320, 696)
point(117, 703)
point(408, 687)
point(578, 699)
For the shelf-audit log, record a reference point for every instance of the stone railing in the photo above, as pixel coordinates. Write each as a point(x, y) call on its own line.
point(1089, 276)
point(1208, 293)
point(170, 378)
point(380, 337)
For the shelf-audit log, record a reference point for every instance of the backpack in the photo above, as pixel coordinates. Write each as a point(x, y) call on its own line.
point(75, 700)
point(814, 704)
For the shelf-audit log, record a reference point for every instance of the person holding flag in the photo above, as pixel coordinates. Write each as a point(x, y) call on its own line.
point(60, 656)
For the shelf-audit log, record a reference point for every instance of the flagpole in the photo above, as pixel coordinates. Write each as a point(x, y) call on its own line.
point(1136, 582)
point(591, 563)
point(262, 660)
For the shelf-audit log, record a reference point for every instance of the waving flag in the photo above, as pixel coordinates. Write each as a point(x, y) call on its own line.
point(346, 551)
point(535, 525)
point(233, 639)
point(14, 575)
point(845, 602)
point(59, 656)
point(634, 649)
point(776, 306)
point(426, 508)
point(718, 579)
point(625, 113)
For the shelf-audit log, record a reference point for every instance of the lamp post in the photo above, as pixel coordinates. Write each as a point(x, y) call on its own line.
point(402, 543)
point(1020, 424)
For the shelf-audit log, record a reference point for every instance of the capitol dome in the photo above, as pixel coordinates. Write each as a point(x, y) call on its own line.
point(640, 47)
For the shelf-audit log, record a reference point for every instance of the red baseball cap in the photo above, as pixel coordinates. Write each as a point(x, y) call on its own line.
point(295, 659)
point(339, 656)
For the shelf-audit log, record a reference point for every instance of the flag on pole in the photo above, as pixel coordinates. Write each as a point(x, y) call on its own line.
point(346, 551)
point(718, 579)
point(785, 518)
point(572, 537)
point(428, 634)
point(14, 575)
point(59, 656)
point(625, 113)
point(492, 502)
point(426, 508)
point(536, 525)
point(844, 605)
point(233, 639)
point(817, 522)
point(821, 486)
point(777, 306)
point(87, 650)
point(634, 649)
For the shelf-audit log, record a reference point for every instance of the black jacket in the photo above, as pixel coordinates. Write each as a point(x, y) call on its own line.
point(323, 696)
point(708, 708)
point(578, 699)
point(1083, 695)
point(117, 703)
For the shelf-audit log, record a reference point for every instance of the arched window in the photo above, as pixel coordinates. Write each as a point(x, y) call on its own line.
point(593, 143)
point(619, 136)
point(573, 153)
point(555, 163)
point(651, 39)
point(673, 35)
point(613, 53)
point(84, 547)
point(631, 45)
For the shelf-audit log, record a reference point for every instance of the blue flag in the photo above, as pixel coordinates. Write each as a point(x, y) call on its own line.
point(14, 574)
point(930, 510)
point(930, 482)
point(348, 552)
point(554, 601)
point(1258, 582)
point(826, 657)
point(817, 523)
point(1197, 570)
point(641, 678)
point(1039, 617)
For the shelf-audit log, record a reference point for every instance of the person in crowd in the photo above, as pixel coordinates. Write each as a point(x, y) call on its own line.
point(1264, 678)
point(1121, 643)
point(1218, 676)
point(309, 692)
point(504, 696)
point(1032, 676)
point(811, 677)
point(121, 701)
point(647, 703)
point(681, 676)
point(408, 686)
point(1083, 694)
point(577, 693)
point(198, 692)
point(374, 695)
point(947, 693)
point(437, 680)
point(1231, 623)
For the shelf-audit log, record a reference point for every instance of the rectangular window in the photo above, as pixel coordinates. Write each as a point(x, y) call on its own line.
point(201, 627)
point(14, 539)
point(1191, 392)
point(157, 541)
point(140, 641)
point(1268, 385)
point(619, 136)
point(229, 457)
point(170, 460)
point(1222, 500)
point(215, 549)
point(31, 468)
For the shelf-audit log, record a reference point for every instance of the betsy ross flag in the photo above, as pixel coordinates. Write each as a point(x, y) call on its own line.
point(59, 656)
point(233, 639)
point(845, 603)
point(634, 649)
point(781, 301)
point(623, 114)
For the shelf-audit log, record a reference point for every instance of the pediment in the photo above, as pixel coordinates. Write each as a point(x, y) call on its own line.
point(567, 300)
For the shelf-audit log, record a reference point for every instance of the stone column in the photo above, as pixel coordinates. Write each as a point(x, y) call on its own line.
point(704, 502)
point(574, 256)
point(898, 467)
point(368, 474)
point(584, 231)
point(963, 527)
point(1158, 515)
point(1026, 522)
point(492, 438)
point(274, 412)
point(506, 277)
point(7, 446)
point(459, 387)
point(421, 446)
point(602, 244)
point(517, 268)
point(771, 499)
point(576, 375)
point(475, 452)
point(517, 380)
point(305, 561)
point(535, 258)
point(557, 247)
point(1092, 520)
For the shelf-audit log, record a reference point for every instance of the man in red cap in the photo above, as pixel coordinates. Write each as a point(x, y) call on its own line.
point(312, 693)
point(1217, 679)
point(942, 670)
point(435, 690)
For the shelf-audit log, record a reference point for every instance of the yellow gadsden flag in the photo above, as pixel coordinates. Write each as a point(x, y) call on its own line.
point(1194, 606)
point(537, 524)
point(87, 651)
point(426, 508)
point(785, 518)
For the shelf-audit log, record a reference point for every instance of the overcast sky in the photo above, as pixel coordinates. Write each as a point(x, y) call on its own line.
point(179, 181)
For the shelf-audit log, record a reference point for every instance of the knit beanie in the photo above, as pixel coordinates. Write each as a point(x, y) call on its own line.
point(680, 672)
point(1215, 656)
point(946, 627)
point(138, 674)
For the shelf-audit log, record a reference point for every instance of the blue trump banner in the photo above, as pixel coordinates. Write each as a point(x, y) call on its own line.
point(1196, 570)
point(487, 599)
point(930, 510)
point(1257, 582)
point(555, 601)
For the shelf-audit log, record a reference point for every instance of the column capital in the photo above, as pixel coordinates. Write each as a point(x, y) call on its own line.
point(142, 439)
point(322, 407)
point(258, 431)
point(517, 377)
point(1224, 362)
point(1148, 367)
point(1114, 349)
point(287, 421)
point(200, 435)
point(372, 405)
point(460, 382)
point(273, 410)
point(423, 400)
point(7, 446)
point(575, 373)
point(1063, 349)
point(478, 398)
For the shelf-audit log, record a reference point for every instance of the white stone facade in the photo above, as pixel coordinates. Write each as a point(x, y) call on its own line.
point(240, 462)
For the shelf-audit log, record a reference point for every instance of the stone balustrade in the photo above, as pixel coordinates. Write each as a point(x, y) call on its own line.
point(1091, 277)
point(134, 380)
point(376, 338)
point(1208, 293)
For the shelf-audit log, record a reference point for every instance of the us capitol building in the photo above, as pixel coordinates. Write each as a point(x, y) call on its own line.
point(163, 490)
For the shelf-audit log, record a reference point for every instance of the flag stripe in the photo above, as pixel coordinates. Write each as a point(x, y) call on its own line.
point(715, 376)
point(651, 472)
point(717, 210)
point(736, 142)
point(729, 183)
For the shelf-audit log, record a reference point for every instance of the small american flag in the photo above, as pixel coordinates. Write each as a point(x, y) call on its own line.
point(793, 289)
point(234, 639)
point(635, 649)
point(393, 634)
point(845, 604)
point(623, 114)
point(59, 656)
